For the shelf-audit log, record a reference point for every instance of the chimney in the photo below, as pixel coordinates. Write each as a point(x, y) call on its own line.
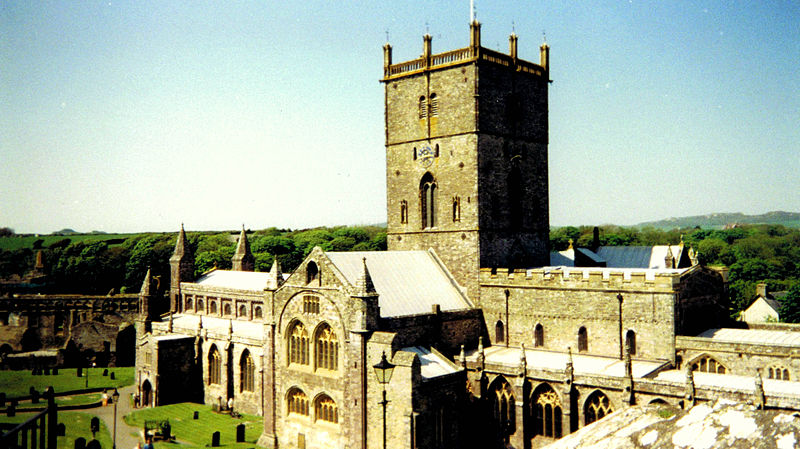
point(761, 290)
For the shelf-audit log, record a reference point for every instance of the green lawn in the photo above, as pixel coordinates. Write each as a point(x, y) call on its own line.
point(18, 242)
point(77, 399)
point(197, 433)
point(76, 425)
point(18, 383)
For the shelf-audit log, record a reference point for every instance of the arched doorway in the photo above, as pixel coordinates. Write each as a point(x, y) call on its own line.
point(545, 410)
point(147, 394)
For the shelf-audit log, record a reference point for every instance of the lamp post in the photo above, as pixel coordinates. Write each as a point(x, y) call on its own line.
point(115, 397)
point(383, 371)
point(87, 372)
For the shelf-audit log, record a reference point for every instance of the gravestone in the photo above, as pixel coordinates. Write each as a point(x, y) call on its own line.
point(33, 372)
point(94, 426)
point(79, 373)
point(215, 439)
point(31, 390)
point(61, 429)
point(11, 411)
point(2, 399)
point(94, 444)
point(240, 433)
point(105, 372)
point(80, 443)
point(47, 371)
point(112, 377)
point(34, 397)
point(55, 371)
point(196, 415)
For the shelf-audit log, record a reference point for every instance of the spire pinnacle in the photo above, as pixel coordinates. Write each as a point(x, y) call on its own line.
point(243, 259)
point(148, 279)
point(180, 245)
point(364, 285)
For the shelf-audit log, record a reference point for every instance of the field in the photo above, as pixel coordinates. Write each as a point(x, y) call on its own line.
point(18, 383)
point(20, 242)
point(192, 433)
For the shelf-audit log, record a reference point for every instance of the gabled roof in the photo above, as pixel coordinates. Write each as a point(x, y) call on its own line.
point(407, 282)
point(239, 280)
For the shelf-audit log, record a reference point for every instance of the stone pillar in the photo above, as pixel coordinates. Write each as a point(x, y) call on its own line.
point(517, 439)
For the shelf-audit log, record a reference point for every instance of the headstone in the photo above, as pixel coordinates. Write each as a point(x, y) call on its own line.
point(105, 372)
point(33, 372)
point(95, 425)
point(79, 372)
point(47, 371)
point(61, 429)
point(240, 433)
point(196, 415)
point(2, 399)
point(94, 444)
point(55, 371)
point(112, 377)
point(11, 411)
point(31, 390)
point(34, 397)
point(80, 443)
point(215, 439)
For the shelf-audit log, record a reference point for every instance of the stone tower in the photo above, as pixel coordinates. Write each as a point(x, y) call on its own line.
point(243, 259)
point(466, 157)
point(181, 269)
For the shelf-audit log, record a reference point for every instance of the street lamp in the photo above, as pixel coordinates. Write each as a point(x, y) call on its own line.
point(115, 397)
point(87, 372)
point(383, 371)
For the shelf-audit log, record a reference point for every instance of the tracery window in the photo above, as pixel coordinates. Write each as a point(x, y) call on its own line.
point(546, 410)
point(427, 196)
point(404, 212)
point(327, 348)
point(214, 365)
point(456, 208)
point(597, 406)
point(247, 372)
point(499, 332)
point(325, 409)
point(502, 398)
point(707, 364)
point(298, 344)
point(538, 336)
point(630, 341)
point(583, 339)
point(297, 402)
point(778, 373)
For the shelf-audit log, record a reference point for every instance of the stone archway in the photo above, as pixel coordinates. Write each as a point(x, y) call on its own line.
point(147, 394)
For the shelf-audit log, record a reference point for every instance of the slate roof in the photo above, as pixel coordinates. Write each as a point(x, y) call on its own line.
point(408, 282)
point(754, 336)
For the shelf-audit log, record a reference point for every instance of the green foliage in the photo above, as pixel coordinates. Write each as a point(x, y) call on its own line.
point(790, 305)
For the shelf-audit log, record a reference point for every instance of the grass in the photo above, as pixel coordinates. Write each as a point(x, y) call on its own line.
point(18, 383)
point(197, 433)
point(77, 399)
point(76, 425)
point(19, 242)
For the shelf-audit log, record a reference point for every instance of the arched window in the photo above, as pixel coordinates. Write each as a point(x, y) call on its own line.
point(312, 272)
point(200, 305)
point(456, 208)
point(423, 108)
point(499, 332)
point(708, 364)
point(297, 402)
point(188, 303)
point(247, 372)
point(427, 196)
point(404, 212)
point(325, 409)
point(242, 311)
point(434, 107)
point(583, 340)
point(538, 336)
point(214, 365)
point(515, 194)
point(597, 406)
point(630, 341)
point(226, 309)
point(327, 348)
point(545, 409)
point(298, 344)
point(212, 307)
point(259, 313)
point(502, 398)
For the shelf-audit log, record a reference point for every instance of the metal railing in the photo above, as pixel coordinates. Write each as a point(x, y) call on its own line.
point(38, 432)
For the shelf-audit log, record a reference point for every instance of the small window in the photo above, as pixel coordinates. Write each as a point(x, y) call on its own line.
point(708, 364)
point(200, 305)
point(456, 208)
point(259, 313)
point(212, 308)
point(538, 336)
point(214, 366)
point(630, 341)
point(423, 108)
point(310, 304)
point(415, 153)
point(242, 311)
point(403, 212)
point(499, 332)
point(227, 309)
point(583, 340)
point(434, 105)
point(298, 344)
point(188, 303)
point(312, 273)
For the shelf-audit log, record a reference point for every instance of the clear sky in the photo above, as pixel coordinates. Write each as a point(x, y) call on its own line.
point(127, 116)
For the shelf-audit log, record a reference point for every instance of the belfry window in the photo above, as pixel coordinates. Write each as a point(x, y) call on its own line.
point(427, 196)
point(423, 108)
point(434, 106)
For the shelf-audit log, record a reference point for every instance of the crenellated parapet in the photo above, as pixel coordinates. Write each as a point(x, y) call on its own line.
point(582, 278)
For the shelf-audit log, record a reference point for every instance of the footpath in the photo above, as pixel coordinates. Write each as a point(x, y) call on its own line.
point(127, 436)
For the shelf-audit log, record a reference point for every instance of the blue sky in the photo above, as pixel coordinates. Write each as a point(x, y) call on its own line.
point(137, 116)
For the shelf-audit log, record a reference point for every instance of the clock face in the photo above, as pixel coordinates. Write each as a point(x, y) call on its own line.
point(425, 156)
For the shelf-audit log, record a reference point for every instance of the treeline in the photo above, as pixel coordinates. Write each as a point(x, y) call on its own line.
point(97, 267)
point(754, 254)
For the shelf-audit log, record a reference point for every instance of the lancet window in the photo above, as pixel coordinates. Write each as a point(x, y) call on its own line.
point(327, 348)
point(247, 372)
point(214, 366)
point(325, 409)
point(297, 402)
point(298, 344)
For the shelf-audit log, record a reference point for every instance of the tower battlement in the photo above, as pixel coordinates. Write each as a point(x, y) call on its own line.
point(604, 278)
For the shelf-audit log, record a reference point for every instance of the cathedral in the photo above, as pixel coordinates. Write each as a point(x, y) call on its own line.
point(468, 331)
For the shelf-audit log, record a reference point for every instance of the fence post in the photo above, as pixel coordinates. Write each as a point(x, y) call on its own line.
point(52, 419)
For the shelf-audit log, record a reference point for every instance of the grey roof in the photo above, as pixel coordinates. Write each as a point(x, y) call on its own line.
point(626, 256)
point(240, 280)
point(754, 336)
point(773, 303)
point(431, 364)
point(408, 282)
point(564, 258)
point(591, 255)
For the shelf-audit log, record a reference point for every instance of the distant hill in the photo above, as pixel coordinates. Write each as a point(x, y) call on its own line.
point(720, 220)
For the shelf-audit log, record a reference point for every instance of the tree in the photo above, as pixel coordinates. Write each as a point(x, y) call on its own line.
point(790, 305)
point(6, 232)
